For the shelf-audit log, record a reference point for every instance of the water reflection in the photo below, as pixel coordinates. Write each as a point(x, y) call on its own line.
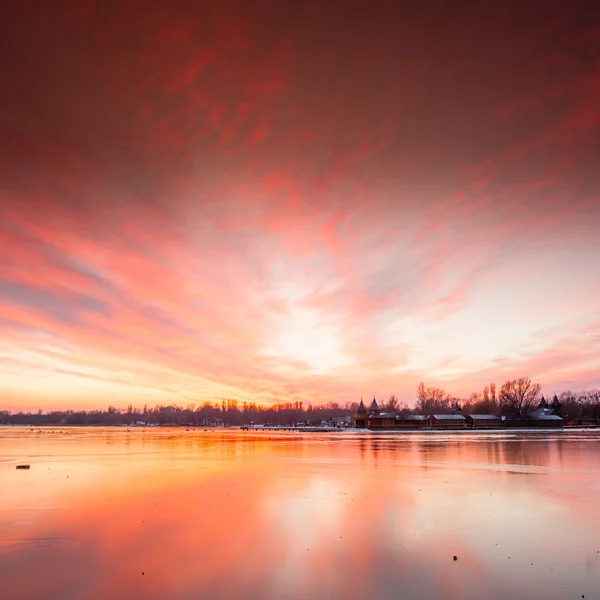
point(223, 515)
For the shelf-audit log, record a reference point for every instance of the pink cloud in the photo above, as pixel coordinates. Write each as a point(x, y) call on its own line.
point(208, 209)
point(260, 134)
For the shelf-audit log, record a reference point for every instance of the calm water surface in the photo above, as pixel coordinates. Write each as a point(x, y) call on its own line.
point(175, 514)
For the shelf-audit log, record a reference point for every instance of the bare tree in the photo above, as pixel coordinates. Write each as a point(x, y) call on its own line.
point(391, 405)
point(470, 403)
point(592, 405)
point(519, 396)
point(486, 403)
point(403, 409)
point(432, 400)
point(572, 405)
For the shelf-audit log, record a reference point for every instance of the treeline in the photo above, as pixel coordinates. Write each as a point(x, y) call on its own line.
point(226, 413)
point(515, 398)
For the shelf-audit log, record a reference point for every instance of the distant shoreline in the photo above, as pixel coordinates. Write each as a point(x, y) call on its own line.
point(272, 430)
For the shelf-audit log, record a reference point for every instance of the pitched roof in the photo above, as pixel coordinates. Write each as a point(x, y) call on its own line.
point(449, 417)
point(361, 405)
point(374, 405)
point(541, 412)
point(485, 417)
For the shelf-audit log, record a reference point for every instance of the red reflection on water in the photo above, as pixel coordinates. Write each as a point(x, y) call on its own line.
point(233, 515)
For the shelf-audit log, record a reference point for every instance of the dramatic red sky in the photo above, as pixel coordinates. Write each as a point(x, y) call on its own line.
point(296, 200)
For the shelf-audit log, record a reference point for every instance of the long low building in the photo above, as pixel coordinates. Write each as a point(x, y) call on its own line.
point(537, 422)
point(412, 422)
point(448, 421)
point(391, 421)
point(484, 421)
point(381, 421)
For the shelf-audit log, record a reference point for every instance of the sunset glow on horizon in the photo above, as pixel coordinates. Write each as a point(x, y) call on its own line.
point(276, 202)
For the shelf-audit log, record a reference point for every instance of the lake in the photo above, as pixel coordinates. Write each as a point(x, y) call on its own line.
point(175, 514)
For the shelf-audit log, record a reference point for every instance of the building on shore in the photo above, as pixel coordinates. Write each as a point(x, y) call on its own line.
point(531, 422)
point(373, 418)
point(543, 417)
point(413, 422)
point(341, 421)
point(547, 410)
point(382, 421)
point(362, 416)
point(454, 421)
point(484, 421)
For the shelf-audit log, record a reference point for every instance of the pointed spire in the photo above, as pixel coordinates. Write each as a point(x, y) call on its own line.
point(543, 403)
point(555, 401)
point(374, 404)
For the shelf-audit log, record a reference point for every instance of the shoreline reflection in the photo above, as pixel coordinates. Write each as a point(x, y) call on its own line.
point(229, 515)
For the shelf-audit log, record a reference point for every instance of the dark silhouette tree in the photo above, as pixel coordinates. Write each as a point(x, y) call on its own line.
point(391, 405)
point(432, 400)
point(519, 396)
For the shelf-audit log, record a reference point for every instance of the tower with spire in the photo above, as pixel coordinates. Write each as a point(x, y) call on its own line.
point(374, 408)
point(556, 406)
point(360, 418)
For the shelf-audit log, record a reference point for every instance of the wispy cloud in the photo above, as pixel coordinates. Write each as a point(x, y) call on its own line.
point(197, 205)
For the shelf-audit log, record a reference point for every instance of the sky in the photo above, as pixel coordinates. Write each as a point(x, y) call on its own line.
point(276, 201)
